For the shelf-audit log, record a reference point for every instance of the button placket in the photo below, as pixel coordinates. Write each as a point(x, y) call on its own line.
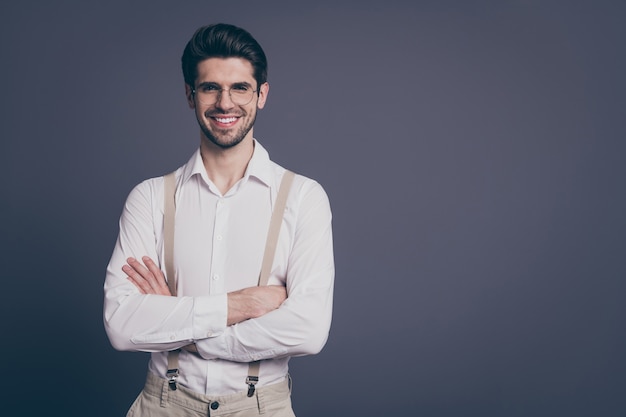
point(221, 217)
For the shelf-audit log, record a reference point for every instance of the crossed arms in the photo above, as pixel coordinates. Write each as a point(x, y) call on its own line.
point(244, 304)
point(247, 303)
point(245, 325)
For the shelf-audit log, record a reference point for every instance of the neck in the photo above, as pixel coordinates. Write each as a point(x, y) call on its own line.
point(225, 167)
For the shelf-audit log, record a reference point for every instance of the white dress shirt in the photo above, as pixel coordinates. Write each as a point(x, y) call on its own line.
point(218, 248)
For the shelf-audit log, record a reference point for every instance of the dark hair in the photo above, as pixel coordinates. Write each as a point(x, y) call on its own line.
point(223, 41)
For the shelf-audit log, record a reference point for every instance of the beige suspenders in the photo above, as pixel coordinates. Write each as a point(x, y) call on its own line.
point(169, 208)
point(169, 215)
point(268, 258)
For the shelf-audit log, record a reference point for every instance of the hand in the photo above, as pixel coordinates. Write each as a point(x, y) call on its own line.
point(253, 302)
point(149, 279)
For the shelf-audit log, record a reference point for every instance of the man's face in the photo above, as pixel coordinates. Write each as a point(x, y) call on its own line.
point(225, 123)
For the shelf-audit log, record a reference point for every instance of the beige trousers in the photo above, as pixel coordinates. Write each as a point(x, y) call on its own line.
point(157, 400)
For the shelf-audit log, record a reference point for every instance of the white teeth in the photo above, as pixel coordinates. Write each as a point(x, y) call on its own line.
point(226, 120)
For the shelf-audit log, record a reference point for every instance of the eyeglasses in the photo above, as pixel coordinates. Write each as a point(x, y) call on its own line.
point(239, 94)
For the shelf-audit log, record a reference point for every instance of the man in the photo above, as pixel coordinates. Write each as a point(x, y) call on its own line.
point(220, 320)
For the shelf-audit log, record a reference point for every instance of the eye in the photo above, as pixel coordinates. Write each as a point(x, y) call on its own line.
point(240, 88)
point(208, 88)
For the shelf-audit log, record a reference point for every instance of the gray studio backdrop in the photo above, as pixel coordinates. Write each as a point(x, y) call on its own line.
point(473, 153)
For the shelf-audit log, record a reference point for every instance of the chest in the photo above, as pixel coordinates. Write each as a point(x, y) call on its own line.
point(219, 241)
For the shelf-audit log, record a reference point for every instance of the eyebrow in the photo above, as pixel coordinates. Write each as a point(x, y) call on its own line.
point(214, 84)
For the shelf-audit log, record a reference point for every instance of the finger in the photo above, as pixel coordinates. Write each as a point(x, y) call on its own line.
point(139, 282)
point(145, 274)
point(141, 290)
point(139, 267)
point(158, 274)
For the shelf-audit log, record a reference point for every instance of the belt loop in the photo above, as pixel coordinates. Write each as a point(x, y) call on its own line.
point(165, 391)
point(260, 399)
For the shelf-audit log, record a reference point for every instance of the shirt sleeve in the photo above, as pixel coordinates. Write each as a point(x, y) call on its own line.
point(302, 323)
point(152, 323)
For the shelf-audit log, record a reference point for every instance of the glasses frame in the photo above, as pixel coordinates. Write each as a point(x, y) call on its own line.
point(219, 96)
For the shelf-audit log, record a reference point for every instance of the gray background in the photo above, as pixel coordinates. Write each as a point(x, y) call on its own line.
point(473, 153)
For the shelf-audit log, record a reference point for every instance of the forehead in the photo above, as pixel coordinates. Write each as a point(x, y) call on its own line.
point(225, 71)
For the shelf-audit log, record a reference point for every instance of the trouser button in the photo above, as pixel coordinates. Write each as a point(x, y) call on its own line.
point(215, 405)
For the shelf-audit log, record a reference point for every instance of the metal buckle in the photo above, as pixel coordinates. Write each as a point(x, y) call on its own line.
point(172, 375)
point(251, 381)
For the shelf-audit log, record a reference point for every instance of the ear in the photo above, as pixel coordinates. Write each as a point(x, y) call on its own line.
point(189, 95)
point(263, 92)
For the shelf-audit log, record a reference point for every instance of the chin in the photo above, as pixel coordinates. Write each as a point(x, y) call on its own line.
point(221, 143)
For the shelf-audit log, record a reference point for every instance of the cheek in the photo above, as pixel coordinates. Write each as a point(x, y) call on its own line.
point(251, 112)
point(200, 116)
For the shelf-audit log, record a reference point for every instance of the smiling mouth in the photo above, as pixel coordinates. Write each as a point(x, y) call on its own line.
point(225, 120)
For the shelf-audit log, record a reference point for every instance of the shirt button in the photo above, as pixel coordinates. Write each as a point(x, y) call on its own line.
point(215, 405)
point(216, 277)
point(219, 237)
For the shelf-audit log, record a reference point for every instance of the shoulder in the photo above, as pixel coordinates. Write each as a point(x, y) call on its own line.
point(300, 182)
point(309, 187)
point(306, 193)
point(152, 188)
point(149, 192)
point(147, 188)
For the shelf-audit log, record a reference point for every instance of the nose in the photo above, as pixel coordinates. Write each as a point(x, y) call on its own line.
point(224, 101)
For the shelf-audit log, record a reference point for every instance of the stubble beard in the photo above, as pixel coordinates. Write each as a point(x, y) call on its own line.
point(219, 138)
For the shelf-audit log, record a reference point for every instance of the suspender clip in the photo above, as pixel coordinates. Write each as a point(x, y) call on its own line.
point(251, 381)
point(172, 376)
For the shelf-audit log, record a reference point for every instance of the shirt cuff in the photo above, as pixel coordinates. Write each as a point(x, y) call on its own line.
point(209, 316)
point(214, 348)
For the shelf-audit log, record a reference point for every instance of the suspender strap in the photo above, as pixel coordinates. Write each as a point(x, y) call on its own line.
point(169, 211)
point(268, 259)
point(274, 229)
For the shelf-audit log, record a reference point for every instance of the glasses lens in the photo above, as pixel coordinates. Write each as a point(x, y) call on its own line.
point(241, 96)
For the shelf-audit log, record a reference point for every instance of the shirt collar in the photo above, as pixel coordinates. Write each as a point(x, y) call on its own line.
point(258, 167)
